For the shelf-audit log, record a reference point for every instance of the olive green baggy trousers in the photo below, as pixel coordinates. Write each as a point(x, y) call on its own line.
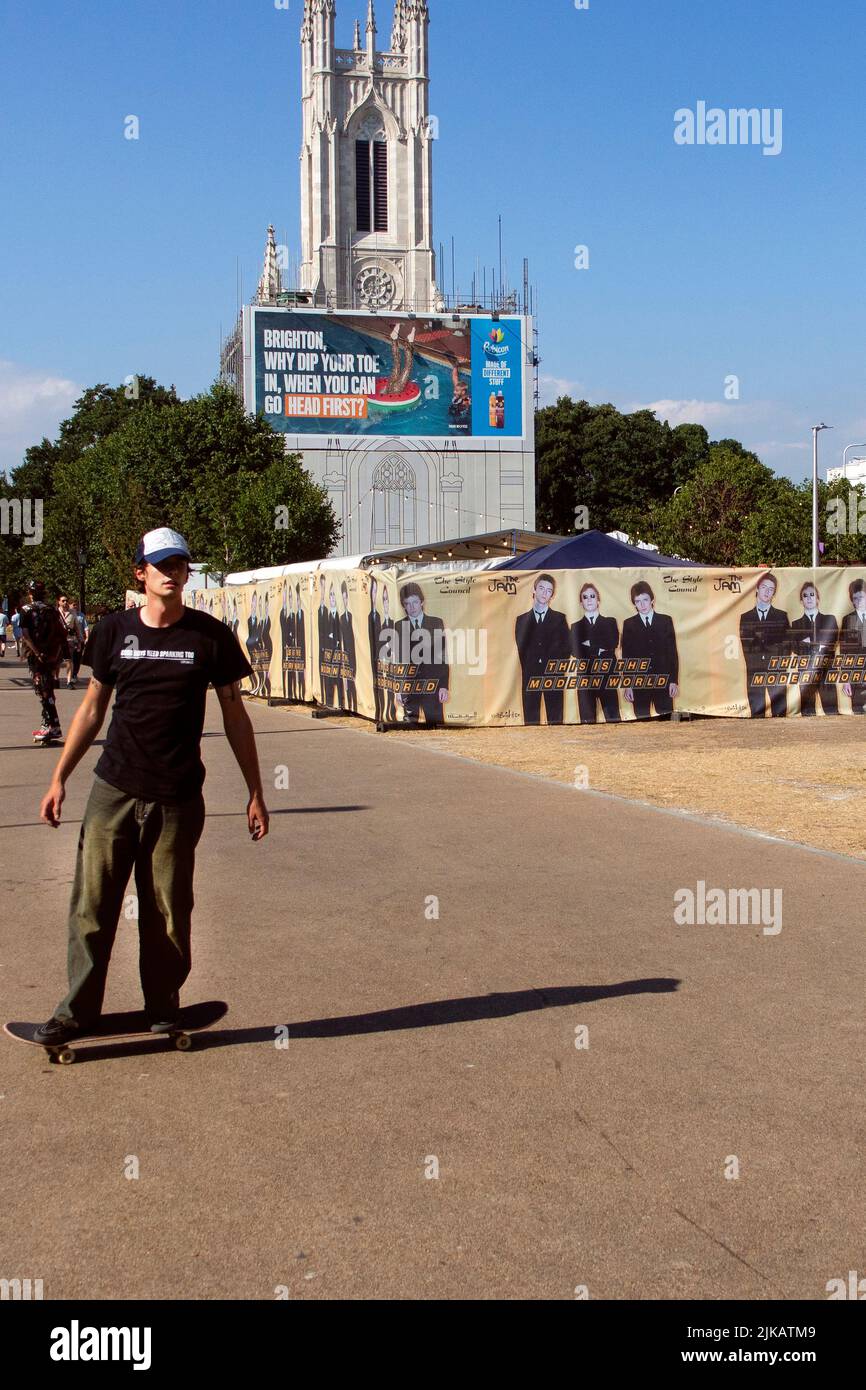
point(120, 833)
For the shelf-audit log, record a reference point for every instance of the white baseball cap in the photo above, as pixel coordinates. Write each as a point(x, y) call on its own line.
point(160, 545)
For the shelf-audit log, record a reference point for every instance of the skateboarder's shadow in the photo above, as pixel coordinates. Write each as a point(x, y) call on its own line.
point(434, 1014)
point(438, 1012)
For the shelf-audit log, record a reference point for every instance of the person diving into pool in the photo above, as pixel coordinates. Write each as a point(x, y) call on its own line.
point(404, 361)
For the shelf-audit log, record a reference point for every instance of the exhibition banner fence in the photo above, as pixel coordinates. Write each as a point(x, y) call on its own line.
point(567, 646)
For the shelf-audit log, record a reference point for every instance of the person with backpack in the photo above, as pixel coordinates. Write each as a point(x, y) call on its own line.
point(43, 638)
point(145, 813)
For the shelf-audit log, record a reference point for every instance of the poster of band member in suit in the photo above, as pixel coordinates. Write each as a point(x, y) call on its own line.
point(349, 657)
point(387, 645)
point(300, 647)
point(287, 641)
point(331, 652)
point(421, 653)
point(374, 631)
point(322, 626)
point(815, 635)
point(853, 644)
point(254, 645)
point(266, 642)
point(650, 637)
point(765, 639)
point(594, 640)
point(542, 636)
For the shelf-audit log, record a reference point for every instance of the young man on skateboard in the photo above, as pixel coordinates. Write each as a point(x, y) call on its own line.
point(146, 810)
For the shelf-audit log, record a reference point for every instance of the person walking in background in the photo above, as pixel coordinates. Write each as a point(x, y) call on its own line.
point(81, 620)
point(71, 621)
point(43, 637)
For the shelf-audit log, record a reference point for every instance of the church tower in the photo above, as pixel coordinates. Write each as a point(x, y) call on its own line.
point(366, 164)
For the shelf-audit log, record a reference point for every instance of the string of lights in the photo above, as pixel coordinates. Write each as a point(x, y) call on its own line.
point(498, 522)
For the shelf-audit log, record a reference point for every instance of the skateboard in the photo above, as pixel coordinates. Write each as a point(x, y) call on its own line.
point(43, 740)
point(112, 1027)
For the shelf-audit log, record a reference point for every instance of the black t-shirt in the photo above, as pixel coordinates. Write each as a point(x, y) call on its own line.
point(161, 675)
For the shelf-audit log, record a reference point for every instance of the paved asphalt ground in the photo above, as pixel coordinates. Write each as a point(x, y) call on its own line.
point(413, 1038)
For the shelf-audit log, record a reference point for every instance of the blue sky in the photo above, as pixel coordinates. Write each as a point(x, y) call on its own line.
point(705, 262)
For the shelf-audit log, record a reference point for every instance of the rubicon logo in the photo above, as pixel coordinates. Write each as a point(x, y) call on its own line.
point(76, 1343)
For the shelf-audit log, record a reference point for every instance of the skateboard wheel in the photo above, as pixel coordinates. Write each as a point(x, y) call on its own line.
point(183, 1042)
point(66, 1056)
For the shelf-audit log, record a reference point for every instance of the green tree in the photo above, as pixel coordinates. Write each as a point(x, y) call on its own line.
point(841, 522)
point(616, 466)
point(704, 520)
point(99, 411)
point(779, 530)
point(51, 467)
point(202, 466)
point(218, 475)
point(737, 512)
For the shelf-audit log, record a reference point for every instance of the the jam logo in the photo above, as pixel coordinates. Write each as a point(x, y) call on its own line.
point(502, 586)
point(731, 585)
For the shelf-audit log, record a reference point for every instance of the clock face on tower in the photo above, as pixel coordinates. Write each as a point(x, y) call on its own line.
point(376, 287)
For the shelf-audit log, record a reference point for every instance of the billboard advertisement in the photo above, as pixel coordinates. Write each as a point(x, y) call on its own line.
point(387, 375)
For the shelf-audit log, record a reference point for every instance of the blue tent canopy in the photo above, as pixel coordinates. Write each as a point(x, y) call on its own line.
point(591, 550)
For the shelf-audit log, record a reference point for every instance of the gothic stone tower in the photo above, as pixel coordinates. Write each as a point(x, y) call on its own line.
point(366, 166)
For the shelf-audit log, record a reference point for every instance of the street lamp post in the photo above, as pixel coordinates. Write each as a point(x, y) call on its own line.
point(82, 562)
point(816, 429)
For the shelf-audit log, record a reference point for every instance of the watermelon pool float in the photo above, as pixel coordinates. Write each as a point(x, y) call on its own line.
point(380, 401)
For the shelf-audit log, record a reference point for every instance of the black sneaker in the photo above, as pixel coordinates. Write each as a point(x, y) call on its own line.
point(57, 1030)
point(165, 1024)
point(164, 1018)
